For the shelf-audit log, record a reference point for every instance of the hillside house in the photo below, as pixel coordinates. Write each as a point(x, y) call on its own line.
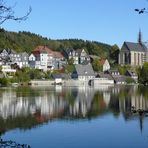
point(105, 64)
point(79, 56)
point(45, 59)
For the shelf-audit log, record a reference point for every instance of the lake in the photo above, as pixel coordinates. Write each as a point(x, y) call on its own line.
point(74, 117)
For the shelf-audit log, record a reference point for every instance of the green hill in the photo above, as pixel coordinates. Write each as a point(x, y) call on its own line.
point(27, 41)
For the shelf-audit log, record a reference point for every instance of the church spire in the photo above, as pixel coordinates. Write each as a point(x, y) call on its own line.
point(140, 37)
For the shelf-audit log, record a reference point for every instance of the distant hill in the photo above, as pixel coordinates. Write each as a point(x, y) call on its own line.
point(27, 41)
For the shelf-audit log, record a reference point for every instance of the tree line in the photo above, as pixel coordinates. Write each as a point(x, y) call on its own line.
point(27, 41)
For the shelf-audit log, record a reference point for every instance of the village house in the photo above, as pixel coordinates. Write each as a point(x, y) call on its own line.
point(79, 56)
point(45, 59)
point(105, 64)
point(39, 58)
point(9, 57)
point(4, 56)
point(21, 59)
point(83, 72)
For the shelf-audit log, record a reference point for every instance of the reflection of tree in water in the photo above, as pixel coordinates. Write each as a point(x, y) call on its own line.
point(22, 123)
point(142, 90)
point(98, 106)
point(37, 106)
point(12, 144)
point(114, 105)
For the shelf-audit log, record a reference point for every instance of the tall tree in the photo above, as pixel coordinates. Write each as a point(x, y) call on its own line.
point(8, 13)
point(114, 53)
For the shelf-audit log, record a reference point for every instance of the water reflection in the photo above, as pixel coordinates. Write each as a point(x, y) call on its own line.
point(28, 107)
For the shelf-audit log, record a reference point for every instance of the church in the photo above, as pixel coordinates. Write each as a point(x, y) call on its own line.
point(133, 54)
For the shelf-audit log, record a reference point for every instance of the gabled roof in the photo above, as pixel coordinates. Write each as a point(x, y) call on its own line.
point(68, 50)
point(79, 51)
point(135, 46)
point(56, 54)
point(42, 49)
point(84, 70)
point(11, 51)
point(24, 54)
point(105, 75)
point(131, 73)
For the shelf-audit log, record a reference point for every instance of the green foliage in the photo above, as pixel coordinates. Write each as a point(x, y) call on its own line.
point(130, 80)
point(4, 81)
point(143, 74)
point(71, 61)
point(122, 69)
point(114, 52)
point(35, 74)
point(69, 68)
point(27, 74)
point(96, 65)
point(26, 41)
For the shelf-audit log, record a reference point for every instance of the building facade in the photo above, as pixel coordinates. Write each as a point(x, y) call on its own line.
point(133, 54)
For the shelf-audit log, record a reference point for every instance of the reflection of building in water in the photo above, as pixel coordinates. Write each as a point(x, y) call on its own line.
point(139, 102)
point(11, 106)
point(106, 97)
point(103, 88)
point(82, 103)
point(71, 102)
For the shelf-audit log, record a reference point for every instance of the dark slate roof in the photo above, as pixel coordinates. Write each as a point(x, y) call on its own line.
point(130, 73)
point(135, 46)
point(120, 78)
point(68, 50)
point(79, 51)
point(84, 70)
point(104, 75)
point(60, 75)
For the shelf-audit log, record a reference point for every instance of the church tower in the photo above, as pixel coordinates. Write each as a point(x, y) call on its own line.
point(140, 37)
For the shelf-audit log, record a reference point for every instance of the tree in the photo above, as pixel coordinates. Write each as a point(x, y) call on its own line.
point(71, 61)
point(143, 74)
point(96, 65)
point(7, 13)
point(114, 52)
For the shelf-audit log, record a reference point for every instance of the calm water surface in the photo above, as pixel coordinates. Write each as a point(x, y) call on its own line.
point(77, 117)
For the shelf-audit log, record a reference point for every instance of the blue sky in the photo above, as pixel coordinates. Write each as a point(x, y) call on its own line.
point(108, 21)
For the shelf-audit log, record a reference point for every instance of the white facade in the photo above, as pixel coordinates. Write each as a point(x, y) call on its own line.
point(106, 65)
point(32, 57)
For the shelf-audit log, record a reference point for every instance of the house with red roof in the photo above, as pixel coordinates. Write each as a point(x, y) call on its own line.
point(105, 64)
point(45, 59)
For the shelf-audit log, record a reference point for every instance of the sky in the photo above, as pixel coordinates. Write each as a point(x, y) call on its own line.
point(107, 21)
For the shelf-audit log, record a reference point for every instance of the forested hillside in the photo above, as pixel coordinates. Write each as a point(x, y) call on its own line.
point(26, 41)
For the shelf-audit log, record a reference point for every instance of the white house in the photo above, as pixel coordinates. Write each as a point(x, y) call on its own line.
point(83, 72)
point(105, 64)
